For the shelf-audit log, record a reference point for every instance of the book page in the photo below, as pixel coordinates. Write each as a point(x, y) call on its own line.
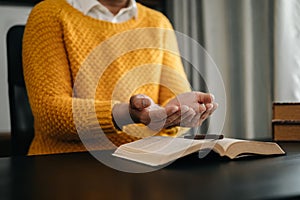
point(161, 145)
point(227, 142)
point(236, 147)
point(158, 150)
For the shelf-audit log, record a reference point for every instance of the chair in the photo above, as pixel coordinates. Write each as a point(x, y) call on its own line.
point(21, 117)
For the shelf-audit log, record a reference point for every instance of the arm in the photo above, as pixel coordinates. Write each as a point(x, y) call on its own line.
point(173, 79)
point(175, 89)
point(49, 83)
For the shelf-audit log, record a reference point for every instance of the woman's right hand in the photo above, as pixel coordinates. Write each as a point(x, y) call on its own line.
point(142, 109)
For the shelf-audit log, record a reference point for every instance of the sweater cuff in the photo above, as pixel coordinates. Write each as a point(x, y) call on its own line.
point(104, 116)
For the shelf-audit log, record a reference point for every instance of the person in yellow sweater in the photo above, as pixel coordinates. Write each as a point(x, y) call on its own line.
point(144, 86)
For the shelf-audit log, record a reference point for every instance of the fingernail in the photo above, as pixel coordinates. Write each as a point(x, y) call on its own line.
point(143, 103)
point(175, 109)
point(212, 97)
point(202, 110)
point(210, 106)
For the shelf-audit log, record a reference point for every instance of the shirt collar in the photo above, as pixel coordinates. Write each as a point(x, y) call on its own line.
point(87, 5)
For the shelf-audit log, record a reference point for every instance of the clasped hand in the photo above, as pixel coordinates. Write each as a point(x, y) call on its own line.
point(189, 109)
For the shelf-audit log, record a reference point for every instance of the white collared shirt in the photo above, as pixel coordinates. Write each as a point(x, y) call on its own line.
point(95, 9)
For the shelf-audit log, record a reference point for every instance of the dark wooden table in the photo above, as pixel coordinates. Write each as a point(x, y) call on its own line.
point(81, 176)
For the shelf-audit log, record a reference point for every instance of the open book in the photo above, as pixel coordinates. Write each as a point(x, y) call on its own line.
point(159, 150)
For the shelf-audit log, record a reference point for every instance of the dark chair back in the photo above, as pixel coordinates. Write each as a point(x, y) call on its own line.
point(21, 117)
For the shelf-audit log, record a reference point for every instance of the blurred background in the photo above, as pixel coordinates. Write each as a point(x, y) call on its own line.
point(255, 44)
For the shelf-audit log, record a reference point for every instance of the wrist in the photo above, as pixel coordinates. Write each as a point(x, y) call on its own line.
point(121, 115)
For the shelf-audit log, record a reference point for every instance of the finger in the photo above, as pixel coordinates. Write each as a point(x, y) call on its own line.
point(198, 108)
point(140, 116)
point(140, 102)
point(196, 121)
point(186, 120)
point(189, 115)
point(209, 108)
point(162, 114)
point(201, 108)
point(204, 97)
point(170, 110)
point(176, 122)
point(215, 106)
point(158, 115)
point(174, 119)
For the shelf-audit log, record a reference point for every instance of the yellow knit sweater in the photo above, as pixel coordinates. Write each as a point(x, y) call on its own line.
point(59, 41)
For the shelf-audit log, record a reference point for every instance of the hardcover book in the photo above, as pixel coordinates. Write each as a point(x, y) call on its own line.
point(286, 130)
point(286, 110)
point(160, 150)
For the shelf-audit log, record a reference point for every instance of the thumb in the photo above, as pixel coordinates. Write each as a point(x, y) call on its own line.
point(204, 97)
point(140, 102)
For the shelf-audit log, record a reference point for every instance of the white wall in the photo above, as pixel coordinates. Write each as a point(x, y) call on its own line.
point(9, 16)
point(287, 50)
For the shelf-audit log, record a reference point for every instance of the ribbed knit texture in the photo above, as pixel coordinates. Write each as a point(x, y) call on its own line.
point(58, 40)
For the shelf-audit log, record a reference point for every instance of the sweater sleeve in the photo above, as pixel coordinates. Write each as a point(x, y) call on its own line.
point(173, 79)
point(49, 82)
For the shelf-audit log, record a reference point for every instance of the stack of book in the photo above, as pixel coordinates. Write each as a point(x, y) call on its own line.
point(286, 121)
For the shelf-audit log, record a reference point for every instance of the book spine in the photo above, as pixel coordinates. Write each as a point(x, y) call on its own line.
point(286, 130)
point(286, 111)
point(286, 121)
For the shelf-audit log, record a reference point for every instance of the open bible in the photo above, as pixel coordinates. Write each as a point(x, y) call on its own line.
point(159, 150)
